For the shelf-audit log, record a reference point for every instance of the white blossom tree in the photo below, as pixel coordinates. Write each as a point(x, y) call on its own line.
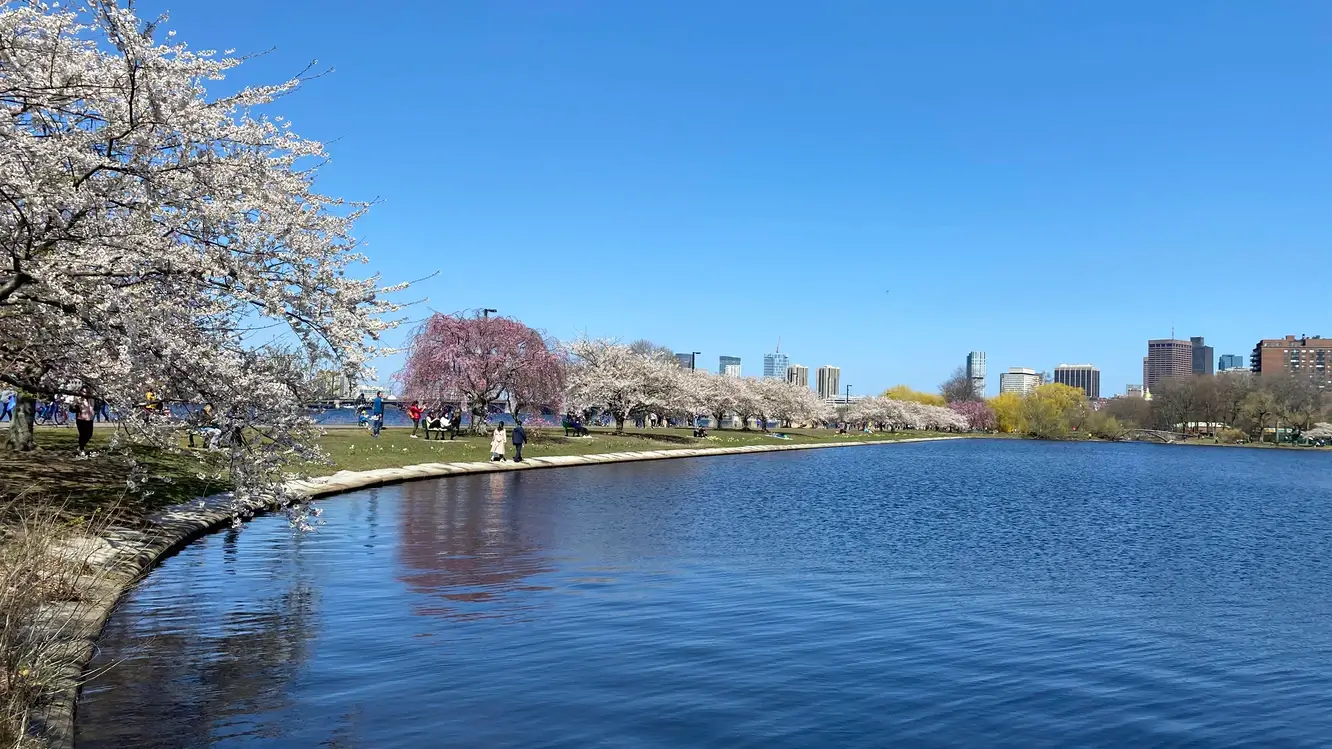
point(150, 234)
point(606, 375)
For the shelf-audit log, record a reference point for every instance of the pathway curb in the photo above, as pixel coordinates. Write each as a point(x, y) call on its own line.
point(120, 557)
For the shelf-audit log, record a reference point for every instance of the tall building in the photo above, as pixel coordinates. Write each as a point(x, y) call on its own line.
point(725, 365)
point(1133, 391)
point(798, 374)
point(1227, 362)
point(829, 381)
point(686, 361)
point(775, 364)
point(1309, 356)
point(1020, 380)
point(1083, 376)
point(1204, 357)
point(976, 371)
point(1166, 358)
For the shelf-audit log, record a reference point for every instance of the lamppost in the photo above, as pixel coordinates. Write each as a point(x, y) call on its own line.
point(486, 312)
point(693, 355)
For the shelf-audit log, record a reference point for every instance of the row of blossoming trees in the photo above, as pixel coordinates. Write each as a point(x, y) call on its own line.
point(153, 236)
point(476, 361)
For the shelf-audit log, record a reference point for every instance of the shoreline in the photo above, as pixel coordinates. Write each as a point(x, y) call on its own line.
point(120, 557)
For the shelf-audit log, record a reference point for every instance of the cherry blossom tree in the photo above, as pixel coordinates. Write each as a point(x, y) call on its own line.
point(979, 416)
point(477, 360)
point(150, 234)
point(609, 376)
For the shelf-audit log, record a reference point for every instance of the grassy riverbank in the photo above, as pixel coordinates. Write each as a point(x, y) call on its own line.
point(98, 484)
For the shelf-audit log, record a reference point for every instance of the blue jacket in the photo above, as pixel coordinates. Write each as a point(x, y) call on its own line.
point(519, 436)
point(377, 407)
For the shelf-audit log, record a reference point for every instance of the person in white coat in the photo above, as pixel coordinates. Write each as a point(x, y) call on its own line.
point(497, 441)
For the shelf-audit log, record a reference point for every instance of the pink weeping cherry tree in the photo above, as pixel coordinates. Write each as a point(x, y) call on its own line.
point(474, 360)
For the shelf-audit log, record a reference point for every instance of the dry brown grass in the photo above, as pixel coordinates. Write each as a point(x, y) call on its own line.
point(47, 561)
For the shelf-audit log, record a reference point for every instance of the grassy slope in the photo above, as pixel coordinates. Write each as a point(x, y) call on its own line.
point(54, 473)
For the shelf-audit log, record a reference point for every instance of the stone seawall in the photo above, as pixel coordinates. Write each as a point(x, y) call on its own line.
point(117, 559)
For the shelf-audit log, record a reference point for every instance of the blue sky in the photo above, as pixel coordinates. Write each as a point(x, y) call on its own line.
point(883, 185)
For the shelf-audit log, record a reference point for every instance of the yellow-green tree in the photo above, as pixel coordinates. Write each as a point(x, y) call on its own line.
point(1054, 410)
point(905, 393)
point(1008, 413)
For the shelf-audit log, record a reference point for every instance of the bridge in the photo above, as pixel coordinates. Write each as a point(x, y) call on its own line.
point(1157, 434)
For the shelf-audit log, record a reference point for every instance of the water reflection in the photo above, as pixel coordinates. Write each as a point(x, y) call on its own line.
point(205, 666)
point(461, 545)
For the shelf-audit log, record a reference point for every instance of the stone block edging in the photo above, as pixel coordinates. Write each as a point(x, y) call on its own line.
point(121, 556)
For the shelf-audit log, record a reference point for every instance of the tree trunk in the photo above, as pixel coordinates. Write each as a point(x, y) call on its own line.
point(20, 437)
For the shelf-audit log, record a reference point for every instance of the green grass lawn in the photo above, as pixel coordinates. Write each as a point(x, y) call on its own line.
point(54, 474)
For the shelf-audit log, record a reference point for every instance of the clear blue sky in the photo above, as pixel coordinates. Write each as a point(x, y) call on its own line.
point(884, 185)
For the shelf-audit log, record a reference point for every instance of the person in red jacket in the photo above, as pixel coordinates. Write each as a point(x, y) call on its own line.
point(414, 413)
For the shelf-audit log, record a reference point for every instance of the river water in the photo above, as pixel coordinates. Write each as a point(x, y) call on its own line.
point(967, 593)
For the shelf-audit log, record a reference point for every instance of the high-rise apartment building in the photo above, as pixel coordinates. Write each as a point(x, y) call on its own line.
point(829, 381)
point(976, 371)
point(728, 365)
point(1020, 380)
point(1083, 376)
point(1229, 362)
point(1308, 356)
point(1204, 357)
point(798, 374)
point(1166, 358)
point(775, 364)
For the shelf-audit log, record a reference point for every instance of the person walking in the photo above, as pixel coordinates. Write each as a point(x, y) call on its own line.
point(7, 405)
point(455, 423)
point(377, 414)
point(519, 439)
point(83, 417)
point(497, 444)
point(414, 413)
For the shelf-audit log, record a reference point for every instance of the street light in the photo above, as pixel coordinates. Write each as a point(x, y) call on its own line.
point(486, 312)
point(692, 356)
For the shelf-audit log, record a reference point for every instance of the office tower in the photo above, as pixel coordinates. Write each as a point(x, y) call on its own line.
point(1166, 358)
point(775, 364)
point(1133, 391)
point(686, 360)
point(1203, 357)
point(829, 381)
point(798, 374)
point(1307, 356)
point(1229, 362)
point(1083, 376)
point(728, 365)
point(1020, 380)
point(976, 371)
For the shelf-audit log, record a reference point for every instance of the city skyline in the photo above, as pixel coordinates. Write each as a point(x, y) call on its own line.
point(630, 175)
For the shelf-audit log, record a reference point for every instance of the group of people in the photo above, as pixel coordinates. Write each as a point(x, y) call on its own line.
point(498, 440)
point(448, 421)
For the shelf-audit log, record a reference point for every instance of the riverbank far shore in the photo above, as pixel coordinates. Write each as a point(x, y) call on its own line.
point(113, 557)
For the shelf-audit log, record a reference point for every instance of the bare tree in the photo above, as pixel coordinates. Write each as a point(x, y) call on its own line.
point(959, 388)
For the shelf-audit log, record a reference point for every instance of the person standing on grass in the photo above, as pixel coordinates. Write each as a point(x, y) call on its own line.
point(497, 444)
point(377, 414)
point(414, 413)
point(83, 417)
point(519, 439)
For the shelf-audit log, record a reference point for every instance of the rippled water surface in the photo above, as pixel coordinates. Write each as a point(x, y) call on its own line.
point(970, 593)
